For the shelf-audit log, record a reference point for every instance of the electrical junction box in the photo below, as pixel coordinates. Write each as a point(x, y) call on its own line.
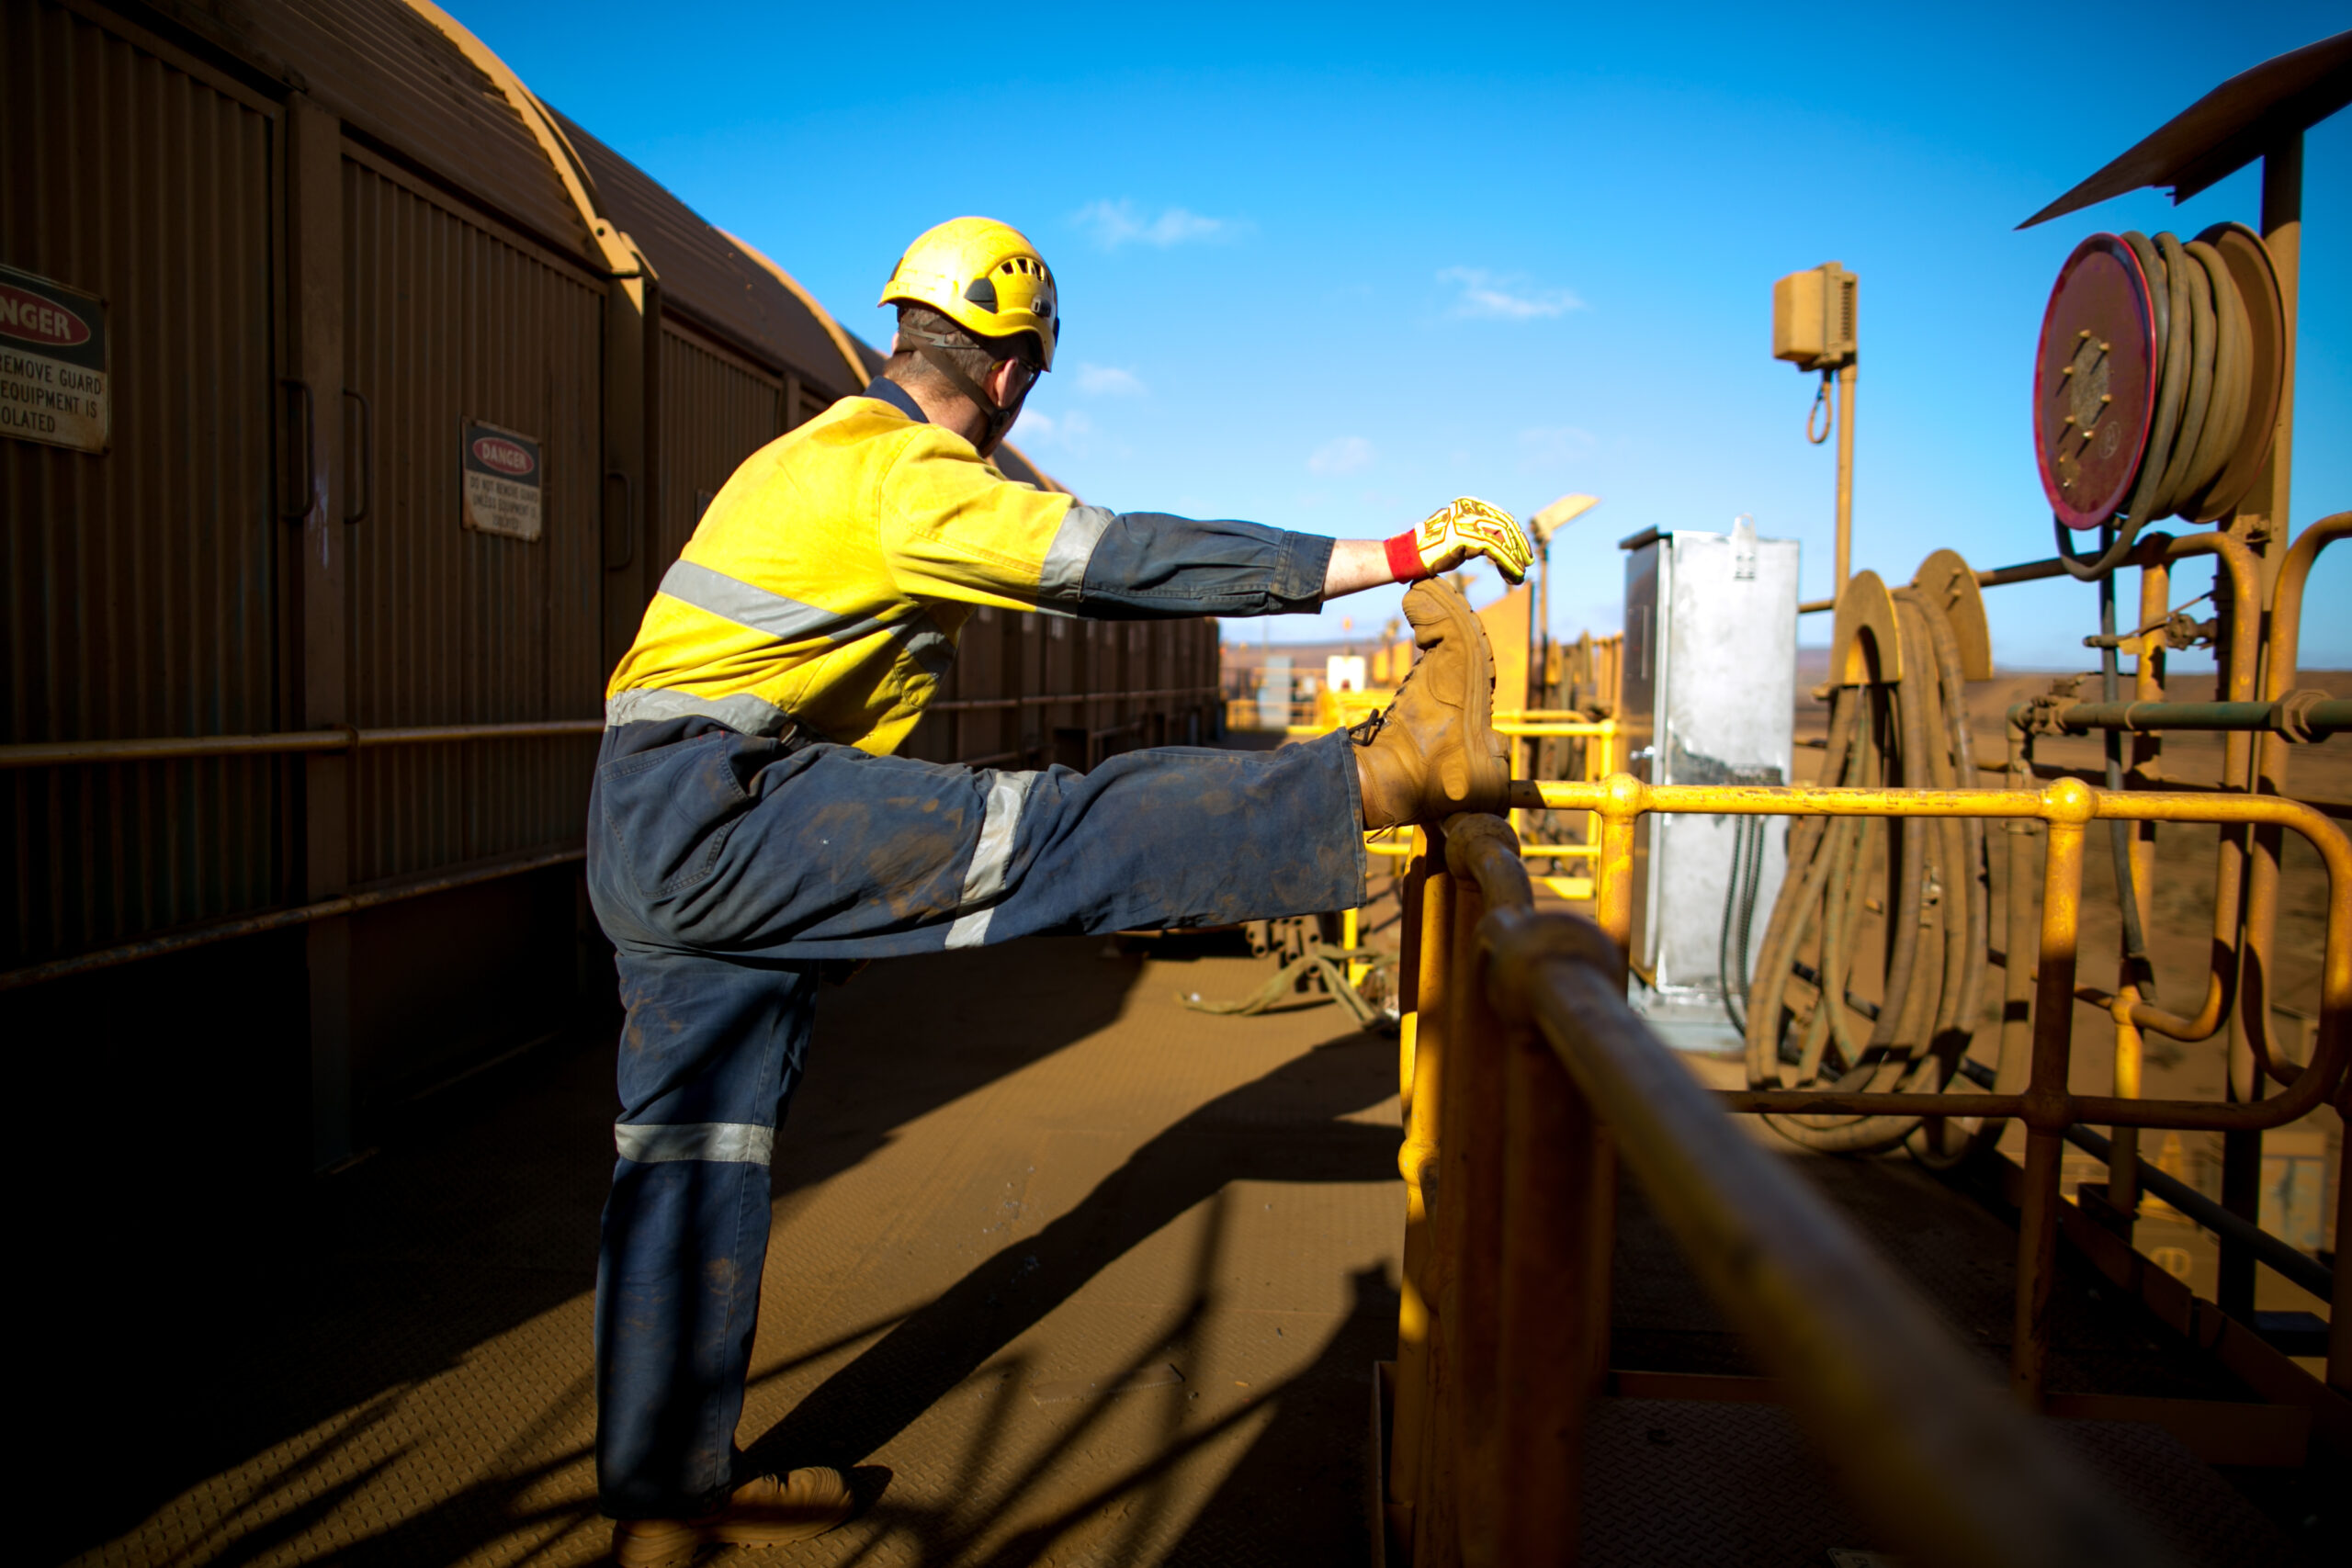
point(1710, 698)
point(1274, 694)
point(1814, 323)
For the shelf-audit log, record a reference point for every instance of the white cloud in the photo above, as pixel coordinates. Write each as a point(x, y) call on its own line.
point(1071, 431)
point(1109, 381)
point(1345, 455)
point(1547, 445)
point(1505, 298)
point(1115, 223)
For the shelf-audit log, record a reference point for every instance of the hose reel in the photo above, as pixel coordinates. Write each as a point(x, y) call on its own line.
point(1899, 718)
point(2156, 384)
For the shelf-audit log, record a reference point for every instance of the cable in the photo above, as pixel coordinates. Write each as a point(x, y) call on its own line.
point(2135, 944)
point(2098, 567)
point(1935, 896)
point(1739, 914)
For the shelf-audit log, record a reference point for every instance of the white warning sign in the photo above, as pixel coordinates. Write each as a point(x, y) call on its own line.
point(504, 482)
point(52, 362)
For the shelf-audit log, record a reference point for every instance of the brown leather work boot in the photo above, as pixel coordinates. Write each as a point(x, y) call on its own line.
point(762, 1513)
point(1434, 751)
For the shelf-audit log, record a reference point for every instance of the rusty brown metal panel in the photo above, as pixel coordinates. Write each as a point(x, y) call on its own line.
point(989, 732)
point(450, 319)
point(717, 409)
point(704, 276)
point(1012, 465)
point(139, 593)
point(389, 73)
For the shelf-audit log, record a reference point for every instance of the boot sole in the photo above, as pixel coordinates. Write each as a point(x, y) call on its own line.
point(1479, 703)
point(674, 1545)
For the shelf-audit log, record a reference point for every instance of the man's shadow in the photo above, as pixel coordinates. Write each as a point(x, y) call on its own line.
point(1285, 1126)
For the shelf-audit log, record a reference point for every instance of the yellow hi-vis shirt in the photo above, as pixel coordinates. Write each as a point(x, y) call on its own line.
point(825, 586)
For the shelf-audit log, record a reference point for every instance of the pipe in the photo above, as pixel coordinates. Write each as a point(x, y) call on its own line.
point(2237, 579)
point(2303, 1269)
point(2269, 775)
point(1621, 798)
point(2028, 571)
point(277, 919)
point(53, 753)
point(2140, 861)
point(2274, 717)
point(977, 704)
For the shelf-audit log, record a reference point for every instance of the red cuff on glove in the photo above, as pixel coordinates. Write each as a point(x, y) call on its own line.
point(1405, 558)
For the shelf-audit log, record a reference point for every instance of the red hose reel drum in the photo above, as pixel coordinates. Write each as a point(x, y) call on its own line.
point(2094, 382)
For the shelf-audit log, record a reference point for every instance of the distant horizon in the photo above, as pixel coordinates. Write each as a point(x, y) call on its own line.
point(2000, 669)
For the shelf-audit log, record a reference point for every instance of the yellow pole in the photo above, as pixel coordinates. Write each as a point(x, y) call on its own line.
point(2047, 1112)
point(1417, 1160)
point(1845, 474)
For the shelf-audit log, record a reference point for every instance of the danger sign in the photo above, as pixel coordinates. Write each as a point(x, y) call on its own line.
point(503, 481)
point(52, 362)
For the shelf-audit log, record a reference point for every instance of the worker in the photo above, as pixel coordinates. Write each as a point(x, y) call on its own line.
point(749, 825)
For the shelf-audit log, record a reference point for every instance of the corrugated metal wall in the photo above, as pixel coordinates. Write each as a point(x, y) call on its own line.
point(392, 74)
point(449, 320)
point(395, 234)
point(140, 585)
point(717, 409)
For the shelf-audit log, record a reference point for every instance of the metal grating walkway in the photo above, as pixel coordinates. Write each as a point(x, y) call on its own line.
point(1066, 1272)
point(1020, 1187)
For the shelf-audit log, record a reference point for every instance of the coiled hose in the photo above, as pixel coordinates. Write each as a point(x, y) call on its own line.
point(2206, 390)
point(1804, 1024)
point(2205, 387)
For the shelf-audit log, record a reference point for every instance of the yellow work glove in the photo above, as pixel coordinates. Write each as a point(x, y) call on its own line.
point(1454, 533)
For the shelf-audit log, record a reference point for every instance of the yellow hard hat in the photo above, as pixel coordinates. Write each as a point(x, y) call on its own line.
point(982, 274)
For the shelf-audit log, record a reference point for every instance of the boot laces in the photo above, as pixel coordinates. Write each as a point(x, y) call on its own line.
point(1363, 734)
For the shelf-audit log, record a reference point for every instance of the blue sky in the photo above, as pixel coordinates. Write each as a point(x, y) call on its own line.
point(1329, 269)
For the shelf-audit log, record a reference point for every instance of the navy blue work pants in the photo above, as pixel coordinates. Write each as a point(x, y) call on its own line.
point(726, 868)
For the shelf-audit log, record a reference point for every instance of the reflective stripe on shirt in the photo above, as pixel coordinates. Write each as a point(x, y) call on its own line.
point(744, 712)
point(1063, 573)
point(787, 620)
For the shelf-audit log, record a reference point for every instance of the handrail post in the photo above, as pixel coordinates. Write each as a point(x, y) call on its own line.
point(1409, 973)
point(2067, 807)
point(2015, 1062)
point(1430, 921)
point(1471, 1204)
point(1556, 1222)
point(1612, 871)
point(1444, 1514)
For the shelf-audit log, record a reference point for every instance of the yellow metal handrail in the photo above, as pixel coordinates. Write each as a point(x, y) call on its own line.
point(2045, 1104)
point(1528, 1076)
